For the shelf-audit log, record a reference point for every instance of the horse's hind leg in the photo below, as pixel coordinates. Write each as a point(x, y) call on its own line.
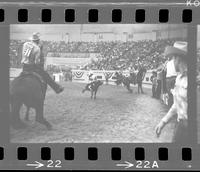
point(40, 117)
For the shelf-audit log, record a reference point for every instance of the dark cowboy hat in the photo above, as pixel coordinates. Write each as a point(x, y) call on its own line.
point(179, 48)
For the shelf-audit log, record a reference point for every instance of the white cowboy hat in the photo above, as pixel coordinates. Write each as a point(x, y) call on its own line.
point(35, 36)
point(179, 48)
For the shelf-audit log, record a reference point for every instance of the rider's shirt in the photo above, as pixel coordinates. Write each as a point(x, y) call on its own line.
point(179, 92)
point(170, 69)
point(30, 53)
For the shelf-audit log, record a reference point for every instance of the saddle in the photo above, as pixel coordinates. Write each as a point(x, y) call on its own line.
point(36, 75)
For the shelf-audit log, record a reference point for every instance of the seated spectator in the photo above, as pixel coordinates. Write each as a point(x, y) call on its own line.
point(159, 81)
point(111, 55)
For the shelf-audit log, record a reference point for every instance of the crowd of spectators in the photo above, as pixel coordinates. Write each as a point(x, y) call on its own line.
point(111, 55)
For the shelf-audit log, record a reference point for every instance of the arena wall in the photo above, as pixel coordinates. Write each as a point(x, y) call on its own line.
point(45, 37)
point(169, 34)
point(144, 36)
point(82, 76)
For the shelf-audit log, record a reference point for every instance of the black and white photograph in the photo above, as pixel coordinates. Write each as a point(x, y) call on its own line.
point(98, 83)
point(198, 83)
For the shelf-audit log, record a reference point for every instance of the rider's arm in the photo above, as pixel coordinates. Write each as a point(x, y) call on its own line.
point(172, 112)
point(37, 57)
point(24, 56)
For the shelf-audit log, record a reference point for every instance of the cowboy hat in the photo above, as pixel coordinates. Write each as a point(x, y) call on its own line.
point(35, 36)
point(179, 48)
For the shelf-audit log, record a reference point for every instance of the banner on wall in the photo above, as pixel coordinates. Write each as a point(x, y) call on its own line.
point(109, 75)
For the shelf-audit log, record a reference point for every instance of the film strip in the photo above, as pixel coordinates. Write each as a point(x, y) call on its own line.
point(101, 57)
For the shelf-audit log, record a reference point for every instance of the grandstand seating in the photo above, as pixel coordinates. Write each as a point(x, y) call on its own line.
point(112, 55)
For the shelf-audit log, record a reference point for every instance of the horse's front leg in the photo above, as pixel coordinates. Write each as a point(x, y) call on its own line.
point(95, 93)
point(27, 114)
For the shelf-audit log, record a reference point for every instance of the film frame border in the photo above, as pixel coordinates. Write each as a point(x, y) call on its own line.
point(103, 149)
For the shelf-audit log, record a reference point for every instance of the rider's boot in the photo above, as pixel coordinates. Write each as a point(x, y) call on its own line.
point(59, 89)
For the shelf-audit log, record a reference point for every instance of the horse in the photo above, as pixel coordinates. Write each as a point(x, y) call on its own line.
point(26, 118)
point(93, 88)
point(28, 89)
point(119, 78)
point(126, 81)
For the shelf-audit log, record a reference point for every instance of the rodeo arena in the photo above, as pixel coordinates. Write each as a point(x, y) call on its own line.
point(115, 82)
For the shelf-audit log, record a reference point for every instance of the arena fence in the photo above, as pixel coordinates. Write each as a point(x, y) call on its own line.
point(82, 76)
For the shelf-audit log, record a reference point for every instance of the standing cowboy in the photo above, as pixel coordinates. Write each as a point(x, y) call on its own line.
point(140, 77)
point(154, 84)
point(179, 107)
point(31, 60)
point(170, 78)
point(159, 82)
point(132, 74)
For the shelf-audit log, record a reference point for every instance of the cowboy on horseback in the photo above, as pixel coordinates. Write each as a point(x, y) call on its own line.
point(92, 80)
point(32, 62)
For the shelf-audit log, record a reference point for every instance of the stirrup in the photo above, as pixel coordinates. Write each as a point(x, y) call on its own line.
point(61, 89)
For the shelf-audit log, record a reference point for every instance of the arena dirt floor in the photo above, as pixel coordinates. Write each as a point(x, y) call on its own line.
point(115, 116)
